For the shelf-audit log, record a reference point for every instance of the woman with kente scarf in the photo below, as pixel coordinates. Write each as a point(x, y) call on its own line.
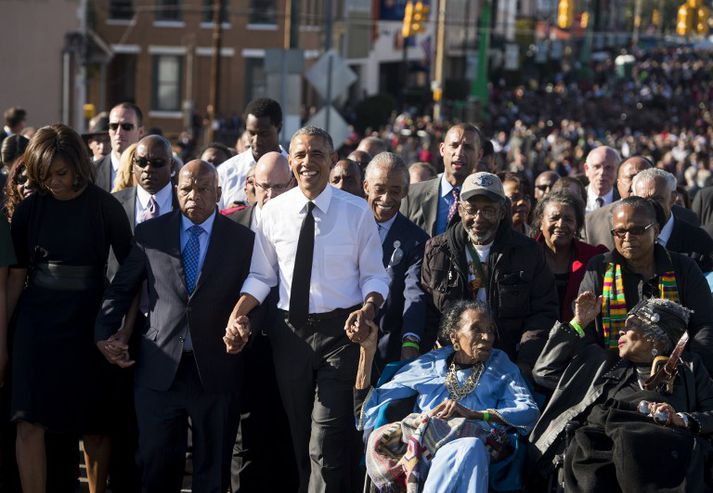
point(643, 416)
point(639, 268)
point(471, 401)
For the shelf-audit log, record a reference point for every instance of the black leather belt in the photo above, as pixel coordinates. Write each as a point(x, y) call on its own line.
point(319, 317)
point(62, 277)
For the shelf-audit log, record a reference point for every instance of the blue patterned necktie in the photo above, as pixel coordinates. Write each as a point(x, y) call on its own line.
point(191, 256)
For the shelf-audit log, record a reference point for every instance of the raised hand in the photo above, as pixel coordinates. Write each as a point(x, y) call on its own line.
point(586, 308)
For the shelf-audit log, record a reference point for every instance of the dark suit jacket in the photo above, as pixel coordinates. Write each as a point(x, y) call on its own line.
point(243, 216)
point(173, 314)
point(597, 224)
point(405, 307)
point(420, 206)
point(102, 173)
point(703, 206)
point(692, 242)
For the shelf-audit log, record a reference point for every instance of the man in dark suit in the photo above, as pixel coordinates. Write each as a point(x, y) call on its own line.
point(432, 204)
point(125, 128)
point(703, 207)
point(402, 319)
point(675, 235)
point(195, 262)
point(597, 224)
point(14, 122)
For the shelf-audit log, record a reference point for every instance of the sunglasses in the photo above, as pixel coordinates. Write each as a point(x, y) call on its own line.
point(142, 162)
point(20, 179)
point(634, 231)
point(126, 127)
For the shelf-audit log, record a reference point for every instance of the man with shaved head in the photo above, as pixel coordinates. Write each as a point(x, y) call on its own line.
point(402, 319)
point(272, 177)
point(600, 168)
point(182, 370)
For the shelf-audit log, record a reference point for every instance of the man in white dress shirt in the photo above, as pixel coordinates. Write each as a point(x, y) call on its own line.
point(600, 168)
point(263, 121)
point(323, 247)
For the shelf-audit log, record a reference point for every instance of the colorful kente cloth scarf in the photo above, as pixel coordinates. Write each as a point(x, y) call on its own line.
point(614, 310)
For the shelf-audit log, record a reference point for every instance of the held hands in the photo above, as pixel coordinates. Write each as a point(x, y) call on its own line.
point(237, 334)
point(356, 326)
point(673, 418)
point(116, 350)
point(586, 308)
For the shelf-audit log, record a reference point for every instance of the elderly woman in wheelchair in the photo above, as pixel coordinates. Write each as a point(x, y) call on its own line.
point(472, 403)
point(643, 410)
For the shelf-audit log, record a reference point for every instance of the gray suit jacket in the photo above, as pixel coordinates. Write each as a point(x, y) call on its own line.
point(173, 313)
point(597, 224)
point(243, 216)
point(420, 206)
point(102, 177)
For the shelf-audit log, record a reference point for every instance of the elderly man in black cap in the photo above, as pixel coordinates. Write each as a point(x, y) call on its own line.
point(481, 257)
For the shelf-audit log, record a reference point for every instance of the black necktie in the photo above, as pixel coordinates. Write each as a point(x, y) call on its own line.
point(302, 273)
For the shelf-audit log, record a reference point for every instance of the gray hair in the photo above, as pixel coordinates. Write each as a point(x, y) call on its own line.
point(314, 132)
point(609, 153)
point(390, 162)
point(450, 323)
point(651, 174)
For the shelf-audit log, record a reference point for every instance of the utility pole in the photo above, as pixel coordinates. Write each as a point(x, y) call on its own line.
point(214, 95)
point(81, 78)
point(437, 84)
point(291, 24)
point(327, 47)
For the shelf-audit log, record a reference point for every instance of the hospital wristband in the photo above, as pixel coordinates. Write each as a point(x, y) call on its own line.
point(577, 328)
point(411, 344)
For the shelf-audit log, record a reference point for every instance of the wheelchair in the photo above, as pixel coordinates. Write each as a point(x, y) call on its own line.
point(509, 471)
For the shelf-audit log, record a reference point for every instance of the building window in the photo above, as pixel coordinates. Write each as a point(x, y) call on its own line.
point(121, 9)
point(167, 82)
point(263, 12)
point(168, 10)
point(208, 11)
point(255, 79)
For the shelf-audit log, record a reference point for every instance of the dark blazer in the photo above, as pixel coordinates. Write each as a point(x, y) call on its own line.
point(703, 206)
point(420, 206)
point(405, 308)
point(243, 216)
point(597, 224)
point(102, 173)
point(692, 242)
point(156, 257)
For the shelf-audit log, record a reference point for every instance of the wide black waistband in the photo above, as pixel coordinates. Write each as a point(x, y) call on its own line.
point(67, 277)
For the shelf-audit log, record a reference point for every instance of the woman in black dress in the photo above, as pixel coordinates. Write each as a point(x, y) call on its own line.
point(62, 235)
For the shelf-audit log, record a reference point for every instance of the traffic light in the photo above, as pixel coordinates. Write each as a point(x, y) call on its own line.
point(408, 20)
point(565, 14)
point(420, 16)
point(684, 22)
point(415, 17)
point(702, 20)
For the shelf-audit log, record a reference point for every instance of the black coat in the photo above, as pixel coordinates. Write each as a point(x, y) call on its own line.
point(521, 289)
point(692, 288)
point(692, 242)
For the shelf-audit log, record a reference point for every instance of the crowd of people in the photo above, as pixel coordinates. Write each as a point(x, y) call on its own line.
point(519, 306)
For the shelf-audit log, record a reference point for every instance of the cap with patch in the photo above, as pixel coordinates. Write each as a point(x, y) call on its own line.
point(482, 183)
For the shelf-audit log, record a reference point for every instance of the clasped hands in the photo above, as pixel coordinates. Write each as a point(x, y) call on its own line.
point(116, 349)
point(237, 334)
point(452, 409)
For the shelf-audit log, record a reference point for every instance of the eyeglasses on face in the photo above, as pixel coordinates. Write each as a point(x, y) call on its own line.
point(487, 212)
point(634, 231)
point(142, 162)
point(126, 127)
point(277, 187)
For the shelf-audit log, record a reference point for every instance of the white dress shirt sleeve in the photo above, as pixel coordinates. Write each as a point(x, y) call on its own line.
point(263, 268)
point(372, 275)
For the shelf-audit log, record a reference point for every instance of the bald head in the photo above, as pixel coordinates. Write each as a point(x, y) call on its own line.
point(600, 168)
point(153, 162)
point(272, 177)
point(627, 171)
point(197, 190)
